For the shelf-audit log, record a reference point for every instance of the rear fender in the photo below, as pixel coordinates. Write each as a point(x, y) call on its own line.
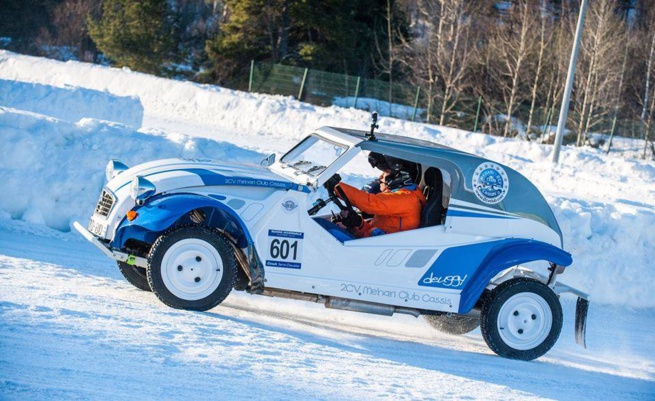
point(505, 255)
point(470, 268)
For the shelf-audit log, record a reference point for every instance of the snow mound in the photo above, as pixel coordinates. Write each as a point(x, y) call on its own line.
point(53, 170)
point(613, 248)
point(71, 104)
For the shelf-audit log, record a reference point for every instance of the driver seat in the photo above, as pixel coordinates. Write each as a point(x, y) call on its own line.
point(433, 191)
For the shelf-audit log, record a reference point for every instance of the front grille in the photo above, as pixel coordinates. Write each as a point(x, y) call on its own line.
point(105, 203)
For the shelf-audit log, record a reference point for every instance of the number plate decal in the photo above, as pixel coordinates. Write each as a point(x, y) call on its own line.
point(97, 227)
point(284, 249)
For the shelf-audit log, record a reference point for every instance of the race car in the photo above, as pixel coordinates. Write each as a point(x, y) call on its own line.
point(487, 253)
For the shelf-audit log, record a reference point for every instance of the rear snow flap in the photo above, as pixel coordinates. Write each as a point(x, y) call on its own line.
point(581, 309)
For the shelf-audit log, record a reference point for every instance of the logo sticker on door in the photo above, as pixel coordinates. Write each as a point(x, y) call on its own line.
point(284, 249)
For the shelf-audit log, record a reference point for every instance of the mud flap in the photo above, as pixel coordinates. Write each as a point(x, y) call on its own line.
point(256, 271)
point(581, 309)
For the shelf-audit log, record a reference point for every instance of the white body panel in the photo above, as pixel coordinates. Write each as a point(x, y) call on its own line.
point(490, 222)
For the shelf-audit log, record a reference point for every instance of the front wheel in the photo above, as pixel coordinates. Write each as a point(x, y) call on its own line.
point(191, 268)
point(521, 319)
point(134, 275)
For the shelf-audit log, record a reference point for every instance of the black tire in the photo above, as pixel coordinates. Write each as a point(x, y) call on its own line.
point(453, 324)
point(191, 268)
point(134, 275)
point(521, 319)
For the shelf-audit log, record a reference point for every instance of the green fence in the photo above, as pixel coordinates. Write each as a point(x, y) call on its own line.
point(327, 89)
point(411, 102)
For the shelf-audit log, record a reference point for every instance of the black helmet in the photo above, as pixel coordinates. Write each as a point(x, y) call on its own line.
point(376, 160)
point(401, 175)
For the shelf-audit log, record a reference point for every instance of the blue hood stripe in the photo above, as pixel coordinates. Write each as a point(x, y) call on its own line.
point(209, 178)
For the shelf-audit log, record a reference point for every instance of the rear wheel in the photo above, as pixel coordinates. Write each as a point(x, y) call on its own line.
point(191, 268)
point(134, 275)
point(453, 324)
point(521, 319)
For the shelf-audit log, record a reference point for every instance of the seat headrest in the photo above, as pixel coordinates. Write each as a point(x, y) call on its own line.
point(433, 176)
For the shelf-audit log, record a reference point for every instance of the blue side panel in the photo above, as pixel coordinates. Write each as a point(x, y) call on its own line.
point(162, 212)
point(455, 266)
point(469, 268)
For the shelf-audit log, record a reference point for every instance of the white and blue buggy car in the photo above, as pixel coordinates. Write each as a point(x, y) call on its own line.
point(192, 230)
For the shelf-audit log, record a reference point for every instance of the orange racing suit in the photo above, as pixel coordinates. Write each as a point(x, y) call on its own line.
point(392, 211)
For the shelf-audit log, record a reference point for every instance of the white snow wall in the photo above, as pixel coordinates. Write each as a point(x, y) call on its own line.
point(71, 104)
point(53, 170)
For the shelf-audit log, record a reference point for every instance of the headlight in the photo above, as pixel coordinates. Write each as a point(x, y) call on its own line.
point(141, 189)
point(114, 168)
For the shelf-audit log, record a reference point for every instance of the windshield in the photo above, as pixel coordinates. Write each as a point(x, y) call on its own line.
point(313, 155)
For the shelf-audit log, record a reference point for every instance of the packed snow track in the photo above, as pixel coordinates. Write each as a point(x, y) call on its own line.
point(71, 327)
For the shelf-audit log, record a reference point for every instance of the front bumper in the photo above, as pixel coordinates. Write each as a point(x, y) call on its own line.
point(116, 255)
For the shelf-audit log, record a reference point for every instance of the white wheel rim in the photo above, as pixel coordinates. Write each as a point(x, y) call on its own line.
point(192, 269)
point(524, 321)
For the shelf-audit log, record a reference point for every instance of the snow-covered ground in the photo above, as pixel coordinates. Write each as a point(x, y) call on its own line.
point(71, 327)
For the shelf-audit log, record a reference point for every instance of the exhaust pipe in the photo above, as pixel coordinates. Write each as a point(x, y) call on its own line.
point(368, 307)
point(342, 303)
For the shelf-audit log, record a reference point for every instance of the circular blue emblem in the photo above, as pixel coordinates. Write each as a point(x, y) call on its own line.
point(490, 183)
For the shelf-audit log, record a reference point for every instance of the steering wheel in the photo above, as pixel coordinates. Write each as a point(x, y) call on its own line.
point(349, 207)
point(334, 198)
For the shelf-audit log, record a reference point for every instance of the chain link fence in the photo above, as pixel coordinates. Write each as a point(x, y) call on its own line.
point(416, 104)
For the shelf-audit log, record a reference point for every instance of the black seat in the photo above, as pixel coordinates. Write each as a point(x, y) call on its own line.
point(433, 191)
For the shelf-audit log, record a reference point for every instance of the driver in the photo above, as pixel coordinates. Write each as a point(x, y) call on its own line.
point(397, 207)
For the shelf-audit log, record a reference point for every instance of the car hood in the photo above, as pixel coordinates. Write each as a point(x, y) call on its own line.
point(174, 174)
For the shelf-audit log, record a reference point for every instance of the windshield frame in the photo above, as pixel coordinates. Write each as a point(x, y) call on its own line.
point(324, 134)
point(304, 146)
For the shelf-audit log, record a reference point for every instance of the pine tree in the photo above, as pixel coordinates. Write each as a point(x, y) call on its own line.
point(341, 36)
point(136, 34)
point(249, 31)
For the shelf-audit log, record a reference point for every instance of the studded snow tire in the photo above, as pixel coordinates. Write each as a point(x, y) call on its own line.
point(191, 267)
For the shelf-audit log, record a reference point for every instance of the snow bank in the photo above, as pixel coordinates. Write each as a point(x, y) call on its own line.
point(605, 204)
point(53, 170)
point(383, 108)
point(71, 104)
point(613, 248)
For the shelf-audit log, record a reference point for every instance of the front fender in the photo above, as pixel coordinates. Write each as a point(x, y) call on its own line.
point(471, 267)
point(162, 213)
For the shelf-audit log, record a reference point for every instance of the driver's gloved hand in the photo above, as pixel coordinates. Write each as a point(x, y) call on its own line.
point(351, 219)
point(332, 182)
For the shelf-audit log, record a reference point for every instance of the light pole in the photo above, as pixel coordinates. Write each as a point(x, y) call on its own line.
point(564, 111)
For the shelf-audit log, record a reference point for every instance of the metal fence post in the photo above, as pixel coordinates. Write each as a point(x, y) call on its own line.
point(357, 92)
point(418, 92)
point(609, 142)
point(548, 115)
point(302, 84)
point(252, 70)
point(477, 115)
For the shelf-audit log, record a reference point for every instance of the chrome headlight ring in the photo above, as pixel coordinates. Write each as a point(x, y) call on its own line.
point(114, 168)
point(141, 189)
